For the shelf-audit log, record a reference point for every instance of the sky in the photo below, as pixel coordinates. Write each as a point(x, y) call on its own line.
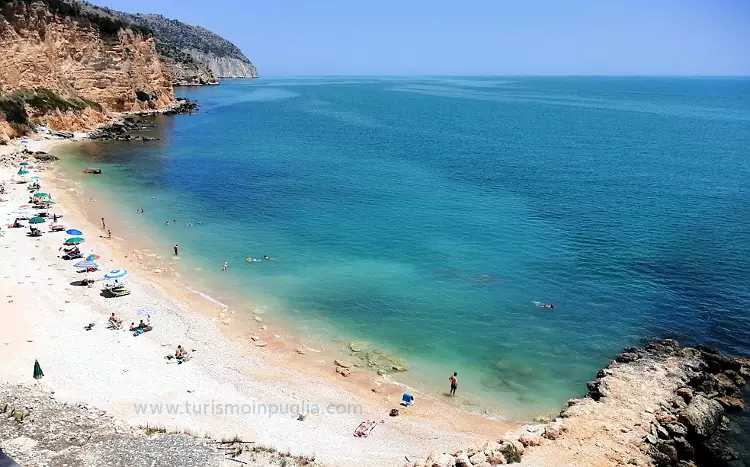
point(475, 37)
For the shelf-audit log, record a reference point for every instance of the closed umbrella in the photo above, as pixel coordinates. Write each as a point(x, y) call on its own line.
point(75, 232)
point(38, 374)
point(37, 220)
point(74, 241)
point(116, 274)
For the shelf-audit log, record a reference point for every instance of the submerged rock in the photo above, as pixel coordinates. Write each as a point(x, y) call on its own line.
point(93, 170)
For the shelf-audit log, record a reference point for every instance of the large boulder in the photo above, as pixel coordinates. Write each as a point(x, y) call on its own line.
point(462, 460)
point(702, 416)
point(731, 404)
point(441, 460)
point(532, 439)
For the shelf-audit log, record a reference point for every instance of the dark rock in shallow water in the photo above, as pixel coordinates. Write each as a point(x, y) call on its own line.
point(715, 452)
point(731, 404)
point(702, 416)
point(182, 107)
point(92, 170)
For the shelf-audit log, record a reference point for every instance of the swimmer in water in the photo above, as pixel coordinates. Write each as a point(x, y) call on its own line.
point(549, 306)
point(266, 257)
point(224, 268)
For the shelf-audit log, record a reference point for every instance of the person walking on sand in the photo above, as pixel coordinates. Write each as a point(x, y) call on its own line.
point(224, 268)
point(454, 383)
point(176, 250)
point(104, 226)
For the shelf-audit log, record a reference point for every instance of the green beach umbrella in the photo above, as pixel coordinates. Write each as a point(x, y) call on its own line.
point(37, 220)
point(38, 373)
point(48, 202)
point(22, 172)
point(40, 195)
point(74, 241)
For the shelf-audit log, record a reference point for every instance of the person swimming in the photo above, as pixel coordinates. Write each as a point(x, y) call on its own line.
point(549, 306)
point(265, 257)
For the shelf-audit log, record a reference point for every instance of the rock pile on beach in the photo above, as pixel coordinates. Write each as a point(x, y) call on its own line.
point(37, 429)
point(659, 405)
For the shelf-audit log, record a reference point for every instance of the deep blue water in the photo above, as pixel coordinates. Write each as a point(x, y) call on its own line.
point(427, 215)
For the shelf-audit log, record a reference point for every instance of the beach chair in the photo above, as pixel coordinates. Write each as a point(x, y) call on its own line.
point(57, 228)
point(407, 400)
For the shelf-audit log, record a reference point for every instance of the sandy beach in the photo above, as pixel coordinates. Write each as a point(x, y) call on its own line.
point(45, 312)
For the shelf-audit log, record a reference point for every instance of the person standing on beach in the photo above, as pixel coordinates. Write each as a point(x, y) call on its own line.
point(454, 383)
point(176, 250)
point(104, 226)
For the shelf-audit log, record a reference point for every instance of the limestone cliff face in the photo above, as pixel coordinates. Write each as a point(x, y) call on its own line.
point(76, 58)
point(225, 67)
point(190, 73)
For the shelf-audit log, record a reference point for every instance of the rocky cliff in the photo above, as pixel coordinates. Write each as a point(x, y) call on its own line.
point(195, 52)
point(71, 66)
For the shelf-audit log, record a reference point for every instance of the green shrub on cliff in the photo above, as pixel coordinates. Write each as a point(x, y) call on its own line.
point(107, 23)
point(13, 106)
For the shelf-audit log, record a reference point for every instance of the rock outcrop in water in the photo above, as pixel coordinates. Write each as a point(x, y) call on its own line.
point(659, 405)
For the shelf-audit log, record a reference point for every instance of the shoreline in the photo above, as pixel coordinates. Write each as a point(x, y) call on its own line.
point(252, 322)
point(276, 367)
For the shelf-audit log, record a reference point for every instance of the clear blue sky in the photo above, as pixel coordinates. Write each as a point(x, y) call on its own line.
point(474, 37)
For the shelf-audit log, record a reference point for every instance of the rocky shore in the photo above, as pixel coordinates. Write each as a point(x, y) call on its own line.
point(659, 405)
point(122, 129)
point(37, 429)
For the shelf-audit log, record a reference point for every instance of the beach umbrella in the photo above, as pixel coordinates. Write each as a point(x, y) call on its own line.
point(86, 265)
point(116, 274)
point(74, 241)
point(40, 195)
point(37, 370)
point(36, 177)
point(73, 232)
point(48, 202)
point(22, 172)
point(92, 257)
point(23, 164)
point(37, 220)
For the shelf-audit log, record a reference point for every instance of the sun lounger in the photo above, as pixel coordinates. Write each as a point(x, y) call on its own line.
point(57, 228)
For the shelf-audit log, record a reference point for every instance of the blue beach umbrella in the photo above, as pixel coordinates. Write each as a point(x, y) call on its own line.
point(116, 274)
point(24, 164)
point(36, 177)
point(86, 265)
point(74, 232)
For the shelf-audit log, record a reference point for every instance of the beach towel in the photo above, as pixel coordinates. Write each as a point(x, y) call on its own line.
point(365, 428)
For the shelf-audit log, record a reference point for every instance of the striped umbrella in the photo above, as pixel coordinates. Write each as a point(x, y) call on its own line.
point(92, 257)
point(86, 265)
point(116, 274)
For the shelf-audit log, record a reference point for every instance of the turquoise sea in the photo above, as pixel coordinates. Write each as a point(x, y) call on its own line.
point(427, 215)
